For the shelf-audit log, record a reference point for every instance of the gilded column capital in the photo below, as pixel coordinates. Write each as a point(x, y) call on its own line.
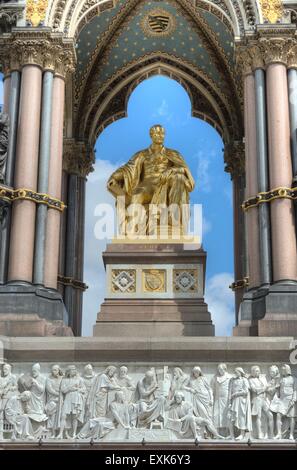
point(47, 50)
point(249, 58)
point(235, 159)
point(78, 158)
point(276, 50)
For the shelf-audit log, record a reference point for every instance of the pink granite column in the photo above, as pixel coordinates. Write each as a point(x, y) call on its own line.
point(280, 168)
point(6, 93)
point(23, 213)
point(55, 184)
point(252, 221)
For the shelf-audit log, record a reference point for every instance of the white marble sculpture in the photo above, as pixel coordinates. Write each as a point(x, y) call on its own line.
point(260, 402)
point(284, 402)
point(53, 391)
point(239, 404)
point(89, 402)
point(72, 402)
point(220, 386)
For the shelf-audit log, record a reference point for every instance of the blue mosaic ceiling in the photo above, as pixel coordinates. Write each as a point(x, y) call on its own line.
point(131, 42)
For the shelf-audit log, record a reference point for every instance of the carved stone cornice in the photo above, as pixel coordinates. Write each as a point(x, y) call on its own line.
point(234, 157)
point(269, 46)
point(50, 51)
point(78, 158)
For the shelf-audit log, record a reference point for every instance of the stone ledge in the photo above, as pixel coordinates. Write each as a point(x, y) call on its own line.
point(193, 349)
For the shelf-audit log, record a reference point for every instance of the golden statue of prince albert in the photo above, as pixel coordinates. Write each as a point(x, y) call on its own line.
point(155, 176)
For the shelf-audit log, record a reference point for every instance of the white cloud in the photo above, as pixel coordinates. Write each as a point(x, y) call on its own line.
point(163, 111)
point(220, 299)
point(94, 272)
point(203, 173)
point(206, 226)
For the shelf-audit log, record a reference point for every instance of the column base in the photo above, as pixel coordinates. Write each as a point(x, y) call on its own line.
point(269, 311)
point(28, 310)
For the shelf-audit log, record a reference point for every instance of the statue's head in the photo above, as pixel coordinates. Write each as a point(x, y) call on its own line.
point(35, 370)
point(157, 134)
point(6, 369)
point(255, 371)
point(286, 370)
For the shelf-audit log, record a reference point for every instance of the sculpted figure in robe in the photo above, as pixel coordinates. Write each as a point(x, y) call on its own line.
point(155, 176)
point(8, 388)
point(52, 388)
point(260, 402)
point(35, 383)
point(284, 402)
point(182, 419)
point(239, 412)
point(101, 392)
point(72, 400)
point(201, 394)
point(150, 406)
point(220, 385)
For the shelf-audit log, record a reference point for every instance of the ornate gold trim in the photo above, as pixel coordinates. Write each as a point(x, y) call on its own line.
point(241, 284)
point(70, 281)
point(11, 195)
point(36, 11)
point(272, 10)
point(277, 193)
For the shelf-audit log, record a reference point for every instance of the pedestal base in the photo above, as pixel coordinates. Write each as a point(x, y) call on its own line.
point(154, 290)
point(28, 310)
point(269, 311)
point(162, 317)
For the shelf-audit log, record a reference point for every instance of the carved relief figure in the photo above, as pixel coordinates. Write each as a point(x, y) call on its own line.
point(120, 411)
point(239, 404)
point(4, 133)
point(35, 383)
point(202, 397)
point(260, 403)
point(8, 388)
point(126, 383)
point(89, 379)
point(150, 406)
point(100, 398)
point(17, 414)
point(220, 385)
point(71, 402)
point(178, 381)
point(284, 404)
point(53, 391)
point(181, 418)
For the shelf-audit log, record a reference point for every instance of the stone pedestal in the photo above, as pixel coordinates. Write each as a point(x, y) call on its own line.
point(154, 289)
point(28, 310)
point(269, 311)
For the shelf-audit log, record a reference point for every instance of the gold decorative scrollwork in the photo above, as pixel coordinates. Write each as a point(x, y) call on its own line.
point(70, 281)
point(242, 284)
point(11, 195)
point(278, 193)
point(36, 11)
point(272, 10)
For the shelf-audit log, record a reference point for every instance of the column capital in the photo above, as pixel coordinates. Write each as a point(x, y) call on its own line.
point(41, 47)
point(78, 158)
point(234, 157)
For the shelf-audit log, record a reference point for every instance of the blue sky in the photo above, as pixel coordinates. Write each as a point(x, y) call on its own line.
point(164, 101)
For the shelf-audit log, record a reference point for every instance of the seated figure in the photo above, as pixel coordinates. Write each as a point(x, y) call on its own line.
point(155, 176)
